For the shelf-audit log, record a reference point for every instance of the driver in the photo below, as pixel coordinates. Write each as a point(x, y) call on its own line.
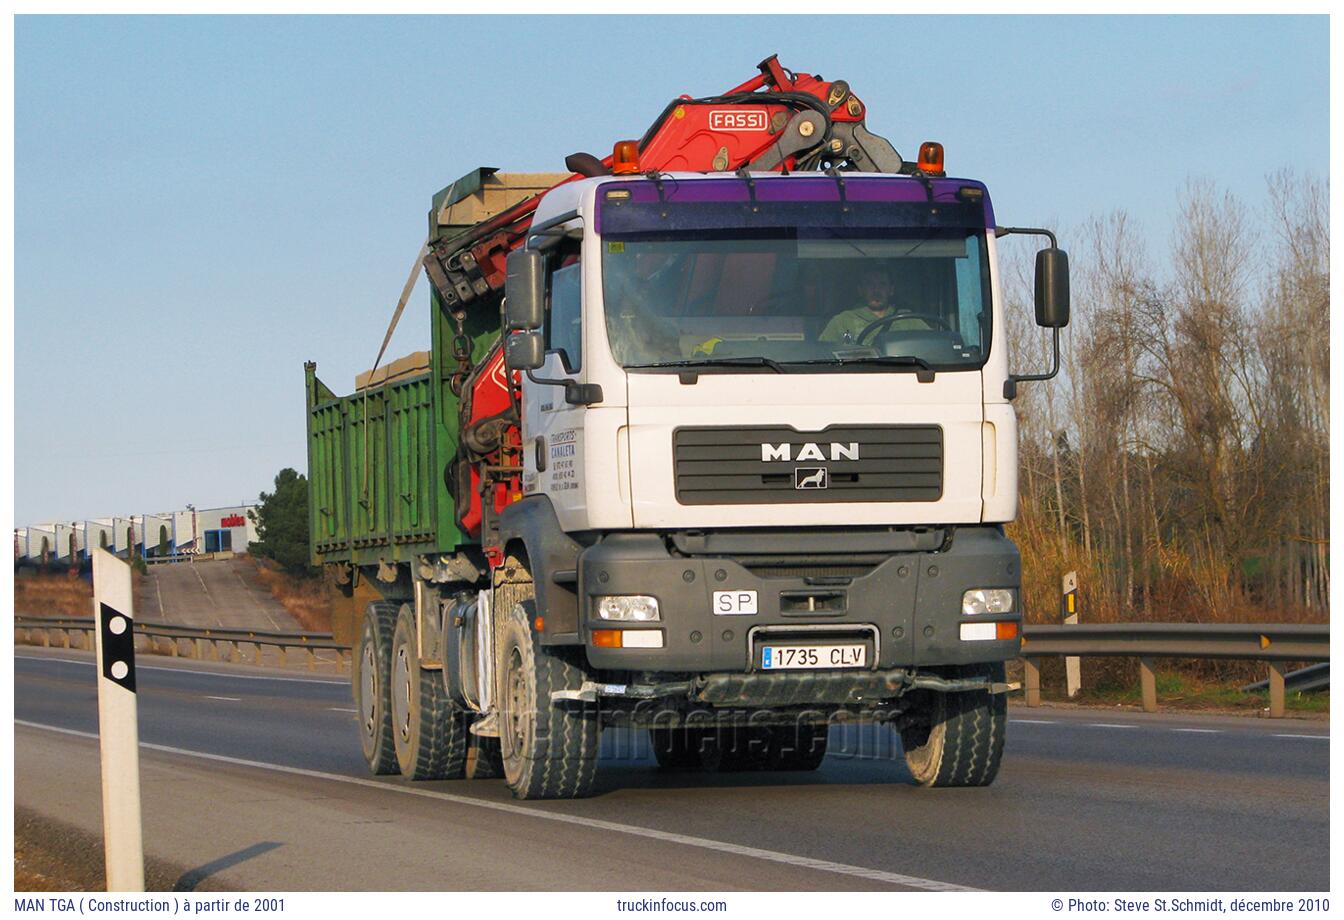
point(875, 302)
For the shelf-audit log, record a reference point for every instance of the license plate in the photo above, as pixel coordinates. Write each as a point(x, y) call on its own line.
point(806, 657)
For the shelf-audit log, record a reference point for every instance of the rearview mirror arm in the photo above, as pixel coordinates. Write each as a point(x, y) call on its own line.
point(1010, 385)
point(576, 394)
point(1031, 231)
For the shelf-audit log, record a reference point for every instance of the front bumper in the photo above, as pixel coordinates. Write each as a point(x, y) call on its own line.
point(905, 607)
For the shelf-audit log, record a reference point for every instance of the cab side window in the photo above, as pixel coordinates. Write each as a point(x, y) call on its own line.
point(564, 329)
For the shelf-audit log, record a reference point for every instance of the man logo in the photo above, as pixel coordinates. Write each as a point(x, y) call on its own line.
point(811, 477)
point(810, 451)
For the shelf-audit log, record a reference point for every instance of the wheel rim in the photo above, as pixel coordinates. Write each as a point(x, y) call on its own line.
point(401, 698)
point(517, 696)
point(368, 686)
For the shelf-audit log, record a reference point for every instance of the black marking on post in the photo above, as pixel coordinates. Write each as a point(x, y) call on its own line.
point(117, 647)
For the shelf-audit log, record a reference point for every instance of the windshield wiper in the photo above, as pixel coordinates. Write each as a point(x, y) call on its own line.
point(746, 361)
point(923, 372)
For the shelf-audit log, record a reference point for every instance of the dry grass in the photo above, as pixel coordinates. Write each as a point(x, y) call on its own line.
point(1176, 598)
point(62, 594)
point(306, 599)
point(53, 596)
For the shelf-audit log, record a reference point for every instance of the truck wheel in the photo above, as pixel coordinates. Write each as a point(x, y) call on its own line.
point(370, 680)
point(549, 749)
point(798, 747)
point(956, 739)
point(483, 758)
point(429, 734)
point(677, 748)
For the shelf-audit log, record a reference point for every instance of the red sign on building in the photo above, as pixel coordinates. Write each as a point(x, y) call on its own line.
point(233, 520)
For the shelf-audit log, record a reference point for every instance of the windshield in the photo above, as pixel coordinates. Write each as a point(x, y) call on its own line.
point(794, 298)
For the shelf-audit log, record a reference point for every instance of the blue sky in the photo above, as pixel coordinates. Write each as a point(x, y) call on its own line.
point(203, 203)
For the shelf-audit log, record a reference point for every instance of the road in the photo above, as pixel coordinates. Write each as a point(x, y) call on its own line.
point(254, 781)
point(217, 592)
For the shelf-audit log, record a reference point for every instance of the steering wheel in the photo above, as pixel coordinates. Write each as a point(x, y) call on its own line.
point(870, 331)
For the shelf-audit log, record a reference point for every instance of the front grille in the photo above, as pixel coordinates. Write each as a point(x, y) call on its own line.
point(805, 571)
point(727, 466)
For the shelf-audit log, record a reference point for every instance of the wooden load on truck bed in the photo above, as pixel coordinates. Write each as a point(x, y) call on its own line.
point(380, 461)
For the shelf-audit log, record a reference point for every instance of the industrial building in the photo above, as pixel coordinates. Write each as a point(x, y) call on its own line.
point(161, 537)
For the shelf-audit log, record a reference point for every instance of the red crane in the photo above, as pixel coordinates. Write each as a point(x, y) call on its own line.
point(777, 120)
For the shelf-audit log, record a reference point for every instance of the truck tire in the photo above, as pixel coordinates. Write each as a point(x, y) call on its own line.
point(549, 750)
point(370, 679)
point(798, 747)
point(956, 739)
point(429, 733)
point(483, 758)
point(677, 748)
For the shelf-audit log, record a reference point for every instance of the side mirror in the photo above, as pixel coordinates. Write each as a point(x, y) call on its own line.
point(525, 290)
point(1052, 288)
point(525, 351)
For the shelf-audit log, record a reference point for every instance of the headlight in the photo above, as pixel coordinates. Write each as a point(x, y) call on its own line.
point(987, 600)
point(637, 608)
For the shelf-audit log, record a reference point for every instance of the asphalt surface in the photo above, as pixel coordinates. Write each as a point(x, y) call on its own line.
point(217, 592)
point(255, 781)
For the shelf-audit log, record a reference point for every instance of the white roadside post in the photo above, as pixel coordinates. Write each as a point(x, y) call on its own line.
point(118, 729)
point(1073, 678)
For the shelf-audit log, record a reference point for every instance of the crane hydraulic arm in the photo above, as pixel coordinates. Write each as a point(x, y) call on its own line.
point(778, 120)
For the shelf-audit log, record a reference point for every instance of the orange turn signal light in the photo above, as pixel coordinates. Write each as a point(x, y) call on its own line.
point(607, 638)
point(625, 158)
point(1005, 630)
point(931, 158)
point(539, 624)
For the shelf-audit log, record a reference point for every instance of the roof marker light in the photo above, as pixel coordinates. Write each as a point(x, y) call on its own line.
point(625, 158)
point(931, 158)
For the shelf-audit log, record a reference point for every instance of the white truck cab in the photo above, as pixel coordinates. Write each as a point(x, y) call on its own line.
point(767, 419)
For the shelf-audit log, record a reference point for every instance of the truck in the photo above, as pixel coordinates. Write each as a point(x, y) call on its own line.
point(714, 438)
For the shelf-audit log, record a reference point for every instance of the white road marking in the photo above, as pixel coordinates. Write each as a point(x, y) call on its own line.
point(197, 573)
point(256, 603)
point(634, 830)
point(1313, 737)
point(1031, 722)
point(1109, 725)
point(339, 709)
point(150, 667)
point(227, 699)
point(1200, 731)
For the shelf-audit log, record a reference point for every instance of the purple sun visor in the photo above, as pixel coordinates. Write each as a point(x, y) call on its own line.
point(674, 205)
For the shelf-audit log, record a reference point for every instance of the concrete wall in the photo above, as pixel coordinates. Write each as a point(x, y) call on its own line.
point(95, 531)
point(150, 526)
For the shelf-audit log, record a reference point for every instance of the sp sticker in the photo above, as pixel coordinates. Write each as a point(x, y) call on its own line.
point(734, 603)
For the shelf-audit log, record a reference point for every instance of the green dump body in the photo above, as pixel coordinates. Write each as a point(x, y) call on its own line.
point(378, 459)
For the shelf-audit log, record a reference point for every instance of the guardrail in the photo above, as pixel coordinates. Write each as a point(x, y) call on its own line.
point(1273, 643)
point(1313, 677)
point(200, 640)
point(188, 557)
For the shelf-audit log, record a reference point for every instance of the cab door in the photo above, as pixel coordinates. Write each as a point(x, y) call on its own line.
point(552, 426)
